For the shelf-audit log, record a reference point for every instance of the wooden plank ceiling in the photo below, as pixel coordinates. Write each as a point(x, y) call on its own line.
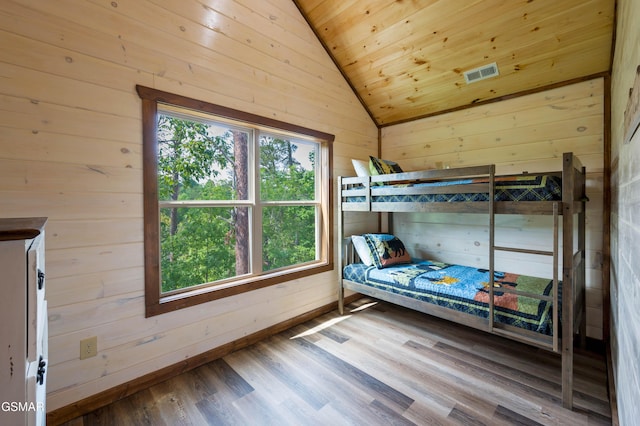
point(405, 58)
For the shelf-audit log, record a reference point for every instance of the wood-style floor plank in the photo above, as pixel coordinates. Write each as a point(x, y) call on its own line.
point(379, 364)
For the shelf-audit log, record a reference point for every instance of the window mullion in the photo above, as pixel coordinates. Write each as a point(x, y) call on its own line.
point(256, 215)
point(319, 195)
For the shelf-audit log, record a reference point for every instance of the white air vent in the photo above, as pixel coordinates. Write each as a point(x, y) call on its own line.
point(481, 73)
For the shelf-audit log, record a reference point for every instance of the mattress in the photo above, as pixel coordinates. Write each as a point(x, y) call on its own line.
point(464, 289)
point(520, 188)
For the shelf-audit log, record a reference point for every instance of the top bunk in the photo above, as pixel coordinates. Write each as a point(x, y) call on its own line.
point(468, 190)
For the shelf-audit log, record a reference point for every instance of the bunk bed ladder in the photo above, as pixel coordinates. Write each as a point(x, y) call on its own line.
point(573, 277)
point(554, 253)
point(342, 252)
point(492, 244)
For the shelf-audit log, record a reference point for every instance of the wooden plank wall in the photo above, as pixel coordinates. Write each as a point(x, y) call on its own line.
point(528, 133)
point(625, 217)
point(70, 149)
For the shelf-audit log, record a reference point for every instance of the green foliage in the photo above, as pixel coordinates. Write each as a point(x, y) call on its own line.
point(188, 154)
point(282, 177)
point(288, 235)
point(288, 232)
point(198, 244)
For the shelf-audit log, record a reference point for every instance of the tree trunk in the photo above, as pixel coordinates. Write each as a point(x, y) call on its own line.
point(240, 151)
point(289, 154)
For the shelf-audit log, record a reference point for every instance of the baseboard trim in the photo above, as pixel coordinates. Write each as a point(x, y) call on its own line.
point(91, 403)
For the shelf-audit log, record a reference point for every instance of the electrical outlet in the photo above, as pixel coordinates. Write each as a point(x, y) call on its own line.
point(88, 347)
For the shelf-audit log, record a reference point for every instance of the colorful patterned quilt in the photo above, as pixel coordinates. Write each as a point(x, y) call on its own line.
point(464, 289)
point(519, 188)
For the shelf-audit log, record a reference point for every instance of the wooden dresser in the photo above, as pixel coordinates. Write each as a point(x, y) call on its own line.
point(23, 322)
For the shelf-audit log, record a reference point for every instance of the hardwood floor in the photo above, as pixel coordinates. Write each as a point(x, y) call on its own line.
point(377, 365)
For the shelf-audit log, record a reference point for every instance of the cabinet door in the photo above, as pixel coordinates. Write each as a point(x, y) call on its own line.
point(36, 312)
point(37, 334)
point(37, 385)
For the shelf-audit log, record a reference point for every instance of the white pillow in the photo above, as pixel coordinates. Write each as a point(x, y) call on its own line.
point(362, 249)
point(361, 167)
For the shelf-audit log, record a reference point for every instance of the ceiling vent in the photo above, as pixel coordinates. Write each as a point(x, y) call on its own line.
point(481, 73)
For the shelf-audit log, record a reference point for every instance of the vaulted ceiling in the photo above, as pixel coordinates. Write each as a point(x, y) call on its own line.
point(406, 59)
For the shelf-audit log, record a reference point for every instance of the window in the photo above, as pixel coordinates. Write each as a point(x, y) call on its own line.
point(232, 202)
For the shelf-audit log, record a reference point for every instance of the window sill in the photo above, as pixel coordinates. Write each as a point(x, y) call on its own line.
point(204, 294)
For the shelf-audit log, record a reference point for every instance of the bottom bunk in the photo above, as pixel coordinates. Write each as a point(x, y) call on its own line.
point(519, 307)
point(464, 290)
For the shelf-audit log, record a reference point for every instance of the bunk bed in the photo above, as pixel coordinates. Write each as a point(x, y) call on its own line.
point(555, 312)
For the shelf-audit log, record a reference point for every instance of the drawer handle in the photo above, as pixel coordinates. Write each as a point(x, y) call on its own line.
point(41, 370)
point(40, 279)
